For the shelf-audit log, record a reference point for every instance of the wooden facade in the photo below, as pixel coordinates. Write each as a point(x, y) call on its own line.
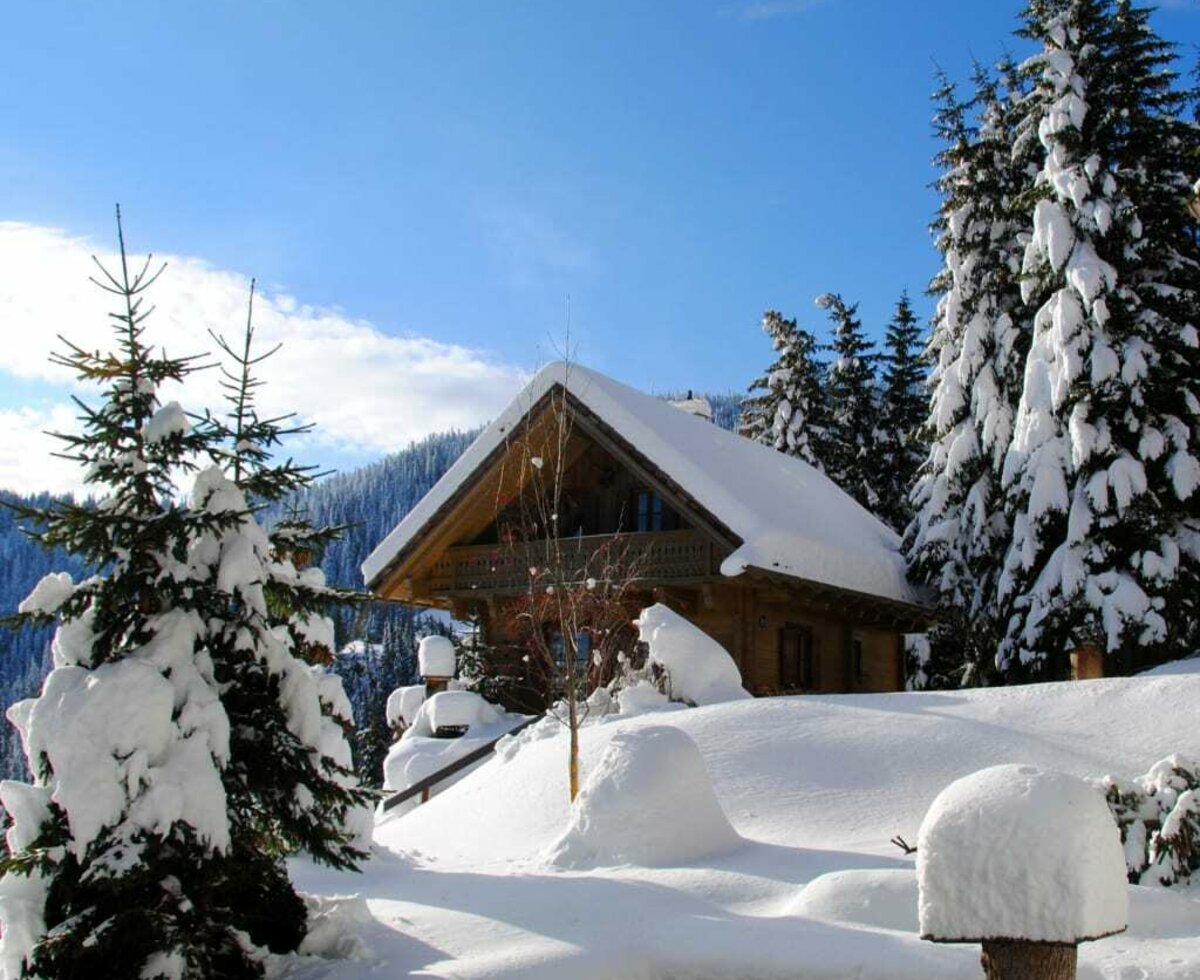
point(787, 635)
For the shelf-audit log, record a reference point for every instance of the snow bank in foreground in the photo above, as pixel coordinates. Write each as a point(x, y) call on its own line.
point(881, 898)
point(700, 669)
point(1019, 852)
point(648, 802)
point(815, 784)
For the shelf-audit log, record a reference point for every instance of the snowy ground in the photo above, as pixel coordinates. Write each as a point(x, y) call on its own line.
point(815, 785)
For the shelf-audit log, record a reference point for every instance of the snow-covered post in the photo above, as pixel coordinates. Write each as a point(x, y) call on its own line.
point(1028, 863)
point(436, 661)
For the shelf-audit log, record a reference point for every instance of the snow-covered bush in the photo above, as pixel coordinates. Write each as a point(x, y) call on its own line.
point(1159, 818)
point(698, 668)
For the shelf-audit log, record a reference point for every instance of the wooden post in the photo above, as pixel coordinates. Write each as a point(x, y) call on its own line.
point(1019, 959)
point(1087, 662)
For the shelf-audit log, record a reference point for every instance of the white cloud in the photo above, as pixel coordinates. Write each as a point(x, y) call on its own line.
point(368, 392)
point(26, 461)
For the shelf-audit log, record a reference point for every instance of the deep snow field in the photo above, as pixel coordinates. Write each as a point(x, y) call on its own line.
point(815, 786)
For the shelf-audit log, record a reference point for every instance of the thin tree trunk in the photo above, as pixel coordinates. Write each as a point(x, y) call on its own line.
point(1015, 959)
point(573, 761)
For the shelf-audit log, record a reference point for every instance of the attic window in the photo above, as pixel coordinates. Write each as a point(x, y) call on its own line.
point(652, 513)
point(649, 511)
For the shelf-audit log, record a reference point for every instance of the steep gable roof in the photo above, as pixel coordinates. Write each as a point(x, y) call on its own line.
point(788, 518)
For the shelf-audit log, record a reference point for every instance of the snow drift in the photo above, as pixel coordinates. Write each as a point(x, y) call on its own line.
point(648, 802)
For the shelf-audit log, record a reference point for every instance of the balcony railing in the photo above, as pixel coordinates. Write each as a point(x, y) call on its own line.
point(650, 556)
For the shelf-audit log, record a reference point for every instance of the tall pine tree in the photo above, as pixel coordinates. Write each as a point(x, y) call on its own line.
point(902, 408)
point(853, 405)
point(1102, 473)
point(957, 540)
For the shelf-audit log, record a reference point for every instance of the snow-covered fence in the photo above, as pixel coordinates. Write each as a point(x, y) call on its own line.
point(423, 787)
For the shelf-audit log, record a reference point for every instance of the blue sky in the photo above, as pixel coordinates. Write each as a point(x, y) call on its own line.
point(452, 172)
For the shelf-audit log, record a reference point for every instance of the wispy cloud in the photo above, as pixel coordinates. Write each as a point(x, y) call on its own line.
point(531, 250)
point(368, 391)
point(768, 9)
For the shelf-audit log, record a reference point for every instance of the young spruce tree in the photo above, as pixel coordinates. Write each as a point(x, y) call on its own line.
point(289, 783)
point(149, 843)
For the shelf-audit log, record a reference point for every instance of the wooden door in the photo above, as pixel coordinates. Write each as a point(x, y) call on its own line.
point(797, 659)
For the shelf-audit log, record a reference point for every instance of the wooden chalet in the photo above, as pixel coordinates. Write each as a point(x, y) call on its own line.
point(804, 588)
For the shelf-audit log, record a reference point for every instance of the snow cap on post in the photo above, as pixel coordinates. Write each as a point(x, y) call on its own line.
point(1015, 852)
point(436, 657)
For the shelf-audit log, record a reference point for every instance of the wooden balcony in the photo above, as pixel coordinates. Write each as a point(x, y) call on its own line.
point(657, 556)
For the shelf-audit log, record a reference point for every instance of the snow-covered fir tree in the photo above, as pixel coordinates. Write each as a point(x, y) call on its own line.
point(956, 542)
point(1102, 474)
point(785, 408)
point(902, 408)
point(289, 783)
point(853, 404)
point(150, 842)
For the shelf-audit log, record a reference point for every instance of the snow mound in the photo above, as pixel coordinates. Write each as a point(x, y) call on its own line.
point(436, 657)
point(648, 802)
point(1020, 852)
point(403, 705)
point(639, 698)
point(880, 898)
point(700, 669)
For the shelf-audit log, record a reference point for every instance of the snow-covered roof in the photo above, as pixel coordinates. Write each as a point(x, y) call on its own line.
point(790, 519)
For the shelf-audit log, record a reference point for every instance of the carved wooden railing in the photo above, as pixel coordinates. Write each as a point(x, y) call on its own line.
point(653, 556)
